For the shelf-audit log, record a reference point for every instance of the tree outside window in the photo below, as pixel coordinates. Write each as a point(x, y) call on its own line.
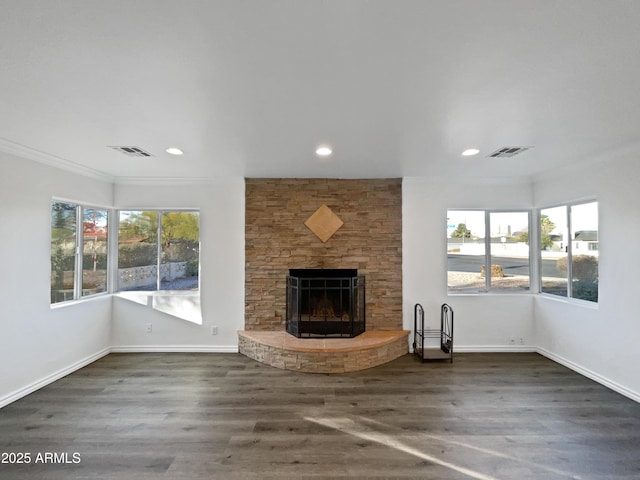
point(78, 254)
point(158, 250)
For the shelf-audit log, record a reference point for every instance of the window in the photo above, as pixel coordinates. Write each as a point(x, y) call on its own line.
point(78, 255)
point(569, 248)
point(505, 249)
point(94, 250)
point(158, 250)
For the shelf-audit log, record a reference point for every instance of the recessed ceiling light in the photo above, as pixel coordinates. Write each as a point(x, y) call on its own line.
point(323, 151)
point(174, 151)
point(470, 151)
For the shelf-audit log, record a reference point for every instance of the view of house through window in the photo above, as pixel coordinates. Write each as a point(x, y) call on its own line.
point(569, 249)
point(77, 272)
point(497, 262)
point(95, 251)
point(158, 250)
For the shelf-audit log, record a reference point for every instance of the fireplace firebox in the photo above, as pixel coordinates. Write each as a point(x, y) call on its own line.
point(325, 303)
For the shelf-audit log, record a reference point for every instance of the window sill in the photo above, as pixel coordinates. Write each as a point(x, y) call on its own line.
point(570, 301)
point(69, 303)
point(183, 304)
point(490, 294)
point(148, 294)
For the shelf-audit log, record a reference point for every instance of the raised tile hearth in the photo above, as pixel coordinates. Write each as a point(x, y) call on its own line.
point(334, 355)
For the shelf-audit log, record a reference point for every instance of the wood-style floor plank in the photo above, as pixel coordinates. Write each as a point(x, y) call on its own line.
point(224, 416)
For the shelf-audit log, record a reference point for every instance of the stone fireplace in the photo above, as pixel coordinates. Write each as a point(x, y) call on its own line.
point(277, 243)
point(325, 303)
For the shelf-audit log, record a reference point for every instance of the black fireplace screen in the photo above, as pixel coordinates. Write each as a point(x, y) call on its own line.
point(322, 304)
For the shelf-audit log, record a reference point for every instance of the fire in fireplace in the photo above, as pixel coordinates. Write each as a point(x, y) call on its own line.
point(325, 303)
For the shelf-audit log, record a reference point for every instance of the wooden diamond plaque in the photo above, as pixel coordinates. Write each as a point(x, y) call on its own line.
point(324, 223)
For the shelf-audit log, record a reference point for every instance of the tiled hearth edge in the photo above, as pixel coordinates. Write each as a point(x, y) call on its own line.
point(335, 355)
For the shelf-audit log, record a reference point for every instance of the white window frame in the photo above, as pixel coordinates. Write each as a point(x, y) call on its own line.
point(159, 212)
point(79, 243)
point(487, 253)
point(568, 206)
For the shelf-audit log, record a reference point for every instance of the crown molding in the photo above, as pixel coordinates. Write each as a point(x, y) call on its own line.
point(52, 160)
point(164, 181)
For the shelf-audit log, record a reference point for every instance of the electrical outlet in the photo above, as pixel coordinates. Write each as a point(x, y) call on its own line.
point(149, 327)
point(512, 340)
point(521, 340)
point(214, 330)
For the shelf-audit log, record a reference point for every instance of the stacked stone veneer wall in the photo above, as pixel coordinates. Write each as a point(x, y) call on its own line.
point(276, 240)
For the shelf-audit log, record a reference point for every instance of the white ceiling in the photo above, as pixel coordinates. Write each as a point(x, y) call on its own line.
point(250, 88)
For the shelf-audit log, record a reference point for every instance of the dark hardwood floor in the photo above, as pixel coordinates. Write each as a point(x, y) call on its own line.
point(224, 416)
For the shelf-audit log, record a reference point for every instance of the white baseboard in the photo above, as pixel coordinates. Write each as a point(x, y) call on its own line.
point(616, 387)
point(175, 349)
point(43, 382)
point(494, 349)
point(490, 349)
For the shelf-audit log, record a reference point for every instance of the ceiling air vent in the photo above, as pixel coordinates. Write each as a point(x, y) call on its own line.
point(507, 152)
point(133, 151)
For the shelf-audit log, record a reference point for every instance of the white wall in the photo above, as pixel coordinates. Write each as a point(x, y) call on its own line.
point(482, 322)
point(601, 342)
point(39, 343)
point(221, 205)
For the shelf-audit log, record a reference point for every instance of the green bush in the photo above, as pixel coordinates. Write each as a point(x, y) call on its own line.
point(142, 254)
point(180, 251)
point(192, 268)
point(63, 263)
point(585, 290)
point(87, 261)
point(583, 267)
point(137, 255)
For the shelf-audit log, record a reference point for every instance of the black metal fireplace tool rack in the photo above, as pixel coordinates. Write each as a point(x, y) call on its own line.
point(425, 349)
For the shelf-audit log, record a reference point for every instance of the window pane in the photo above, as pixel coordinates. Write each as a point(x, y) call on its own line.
point(465, 251)
point(553, 249)
point(63, 251)
point(584, 251)
point(94, 251)
point(138, 250)
point(509, 251)
point(180, 251)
